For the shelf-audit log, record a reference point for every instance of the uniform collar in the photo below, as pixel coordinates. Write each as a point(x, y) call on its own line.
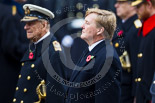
point(123, 21)
point(148, 25)
point(46, 35)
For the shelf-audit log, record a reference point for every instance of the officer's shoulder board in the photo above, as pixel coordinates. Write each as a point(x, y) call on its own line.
point(138, 23)
point(14, 10)
point(57, 46)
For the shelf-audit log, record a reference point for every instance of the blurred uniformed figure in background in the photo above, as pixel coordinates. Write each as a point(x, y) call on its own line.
point(125, 41)
point(13, 44)
point(146, 53)
point(32, 78)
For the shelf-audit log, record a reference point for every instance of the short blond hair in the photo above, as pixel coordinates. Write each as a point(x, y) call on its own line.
point(106, 19)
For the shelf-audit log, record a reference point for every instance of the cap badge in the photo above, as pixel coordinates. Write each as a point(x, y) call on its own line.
point(27, 11)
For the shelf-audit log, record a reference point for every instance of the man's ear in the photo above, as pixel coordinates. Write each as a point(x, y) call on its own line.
point(149, 4)
point(100, 30)
point(44, 25)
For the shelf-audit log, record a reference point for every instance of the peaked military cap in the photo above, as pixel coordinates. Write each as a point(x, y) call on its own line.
point(33, 12)
point(137, 2)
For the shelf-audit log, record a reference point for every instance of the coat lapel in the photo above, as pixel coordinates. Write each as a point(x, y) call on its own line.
point(83, 64)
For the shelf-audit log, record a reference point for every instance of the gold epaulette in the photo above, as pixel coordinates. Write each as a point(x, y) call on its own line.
point(14, 10)
point(138, 23)
point(57, 46)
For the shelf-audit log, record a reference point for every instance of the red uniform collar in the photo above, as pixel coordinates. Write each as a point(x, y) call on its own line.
point(148, 25)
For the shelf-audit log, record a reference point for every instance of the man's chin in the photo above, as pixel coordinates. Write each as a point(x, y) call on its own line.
point(144, 17)
point(82, 37)
point(29, 37)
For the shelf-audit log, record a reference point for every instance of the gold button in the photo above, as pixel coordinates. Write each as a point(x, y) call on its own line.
point(136, 80)
point(28, 77)
point(22, 64)
point(95, 6)
point(17, 88)
point(21, 101)
point(32, 66)
point(25, 90)
point(116, 45)
point(14, 100)
point(19, 76)
point(140, 55)
point(139, 79)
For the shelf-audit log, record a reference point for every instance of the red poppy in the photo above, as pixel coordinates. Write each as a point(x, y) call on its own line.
point(120, 33)
point(89, 57)
point(30, 55)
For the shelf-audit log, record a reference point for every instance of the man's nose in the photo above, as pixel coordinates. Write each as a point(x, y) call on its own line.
point(82, 26)
point(26, 26)
point(116, 5)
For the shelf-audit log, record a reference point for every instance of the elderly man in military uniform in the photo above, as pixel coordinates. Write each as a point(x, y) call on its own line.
point(125, 41)
point(32, 79)
point(146, 53)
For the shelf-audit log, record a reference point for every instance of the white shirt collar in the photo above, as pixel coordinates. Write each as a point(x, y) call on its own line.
point(123, 21)
point(93, 45)
point(47, 34)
